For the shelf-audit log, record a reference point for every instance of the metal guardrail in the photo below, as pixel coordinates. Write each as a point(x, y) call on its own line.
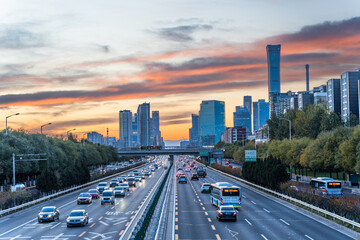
point(25, 205)
point(291, 199)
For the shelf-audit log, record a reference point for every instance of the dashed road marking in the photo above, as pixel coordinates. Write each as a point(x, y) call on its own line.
point(264, 237)
point(209, 219)
point(218, 237)
point(55, 225)
point(206, 214)
point(176, 227)
point(92, 225)
point(213, 227)
point(104, 223)
point(253, 202)
point(100, 218)
point(120, 233)
point(127, 224)
point(176, 213)
point(248, 222)
point(284, 222)
point(309, 237)
point(203, 208)
point(266, 210)
point(176, 219)
point(176, 236)
point(82, 233)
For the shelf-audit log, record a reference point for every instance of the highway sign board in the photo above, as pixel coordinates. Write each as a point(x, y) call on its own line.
point(250, 155)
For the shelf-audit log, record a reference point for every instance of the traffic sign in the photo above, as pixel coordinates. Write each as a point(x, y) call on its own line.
point(250, 155)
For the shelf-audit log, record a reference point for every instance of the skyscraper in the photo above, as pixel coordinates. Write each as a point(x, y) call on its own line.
point(350, 94)
point(248, 106)
point(333, 96)
point(143, 114)
point(273, 63)
point(194, 131)
point(304, 100)
point(242, 118)
point(211, 122)
point(261, 113)
point(135, 137)
point(155, 129)
point(125, 128)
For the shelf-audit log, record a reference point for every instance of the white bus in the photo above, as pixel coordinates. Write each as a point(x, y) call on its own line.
point(327, 186)
point(224, 193)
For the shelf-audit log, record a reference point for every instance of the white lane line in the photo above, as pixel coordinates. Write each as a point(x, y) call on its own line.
point(253, 202)
point(284, 222)
point(266, 210)
point(248, 222)
point(104, 223)
point(18, 227)
point(55, 225)
point(89, 205)
point(264, 237)
point(309, 237)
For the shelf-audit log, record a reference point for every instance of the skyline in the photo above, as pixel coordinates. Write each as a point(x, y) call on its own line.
point(173, 63)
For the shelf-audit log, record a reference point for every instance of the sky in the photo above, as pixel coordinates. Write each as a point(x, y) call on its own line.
point(76, 64)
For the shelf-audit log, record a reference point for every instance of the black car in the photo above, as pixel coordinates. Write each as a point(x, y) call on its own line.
point(48, 214)
point(182, 179)
point(205, 188)
point(194, 177)
point(131, 181)
point(226, 213)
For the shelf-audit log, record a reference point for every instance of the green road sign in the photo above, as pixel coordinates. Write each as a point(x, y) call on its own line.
point(250, 155)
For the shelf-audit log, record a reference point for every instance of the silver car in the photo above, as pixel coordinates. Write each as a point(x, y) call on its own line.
point(77, 218)
point(48, 214)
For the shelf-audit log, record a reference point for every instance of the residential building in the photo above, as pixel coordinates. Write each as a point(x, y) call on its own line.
point(125, 129)
point(211, 122)
point(334, 95)
point(135, 134)
point(194, 131)
point(304, 100)
point(95, 137)
point(350, 94)
point(242, 118)
point(155, 134)
point(279, 103)
point(320, 98)
point(234, 134)
point(143, 114)
point(294, 102)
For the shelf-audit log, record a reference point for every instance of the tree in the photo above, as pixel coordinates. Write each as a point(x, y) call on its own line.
point(348, 150)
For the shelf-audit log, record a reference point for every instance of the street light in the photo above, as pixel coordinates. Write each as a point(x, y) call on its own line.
point(289, 126)
point(6, 121)
point(44, 126)
point(67, 133)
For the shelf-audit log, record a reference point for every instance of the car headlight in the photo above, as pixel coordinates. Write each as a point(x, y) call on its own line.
point(67, 220)
point(49, 215)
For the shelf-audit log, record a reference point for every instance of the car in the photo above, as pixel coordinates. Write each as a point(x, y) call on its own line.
point(147, 173)
point(48, 214)
point(152, 169)
point(194, 177)
point(130, 175)
point(205, 188)
point(120, 179)
point(182, 179)
point(138, 178)
point(294, 188)
point(230, 166)
point(179, 168)
point(119, 191)
point(77, 218)
point(102, 187)
point(94, 193)
point(113, 182)
point(136, 172)
point(187, 169)
point(226, 213)
point(123, 177)
point(131, 181)
point(107, 197)
point(84, 198)
point(125, 186)
point(142, 175)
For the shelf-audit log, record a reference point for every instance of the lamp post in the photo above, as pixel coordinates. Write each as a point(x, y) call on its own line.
point(6, 121)
point(67, 133)
point(44, 126)
point(289, 126)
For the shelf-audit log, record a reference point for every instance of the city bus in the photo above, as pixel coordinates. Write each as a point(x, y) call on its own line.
point(327, 186)
point(224, 193)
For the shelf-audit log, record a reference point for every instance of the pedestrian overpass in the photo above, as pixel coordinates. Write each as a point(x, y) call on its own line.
point(171, 151)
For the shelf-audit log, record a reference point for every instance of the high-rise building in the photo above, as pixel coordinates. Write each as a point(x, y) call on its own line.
point(350, 94)
point(211, 122)
point(134, 127)
point(260, 113)
point(307, 77)
point(234, 134)
point(334, 95)
point(248, 106)
point(304, 100)
point(95, 137)
point(242, 118)
point(155, 134)
point(294, 102)
point(273, 63)
point(194, 131)
point(143, 114)
point(320, 98)
point(125, 129)
point(279, 103)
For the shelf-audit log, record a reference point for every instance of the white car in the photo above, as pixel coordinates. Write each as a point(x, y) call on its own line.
point(187, 170)
point(125, 186)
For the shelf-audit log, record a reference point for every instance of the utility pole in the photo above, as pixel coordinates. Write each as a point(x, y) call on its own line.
point(33, 157)
point(107, 136)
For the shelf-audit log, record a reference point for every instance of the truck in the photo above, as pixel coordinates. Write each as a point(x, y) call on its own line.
point(201, 172)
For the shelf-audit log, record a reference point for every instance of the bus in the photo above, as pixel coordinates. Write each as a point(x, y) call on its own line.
point(224, 193)
point(327, 186)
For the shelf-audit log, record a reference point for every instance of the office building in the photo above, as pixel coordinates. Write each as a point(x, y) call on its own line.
point(234, 134)
point(305, 99)
point(143, 114)
point(194, 131)
point(242, 118)
point(334, 96)
point(279, 103)
point(134, 126)
point(273, 64)
point(155, 133)
point(260, 114)
point(294, 102)
point(95, 137)
point(320, 98)
point(125, 129)
point(350, 95)
point(211, 122)
point(184, 144)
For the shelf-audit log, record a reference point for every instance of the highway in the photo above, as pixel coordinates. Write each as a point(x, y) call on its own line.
point(106, 222)
point(258, 218)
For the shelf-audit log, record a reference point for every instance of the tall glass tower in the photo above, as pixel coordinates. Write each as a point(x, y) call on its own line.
point(273, 62)
point(143, 114)
point(211, 121)
point(125, 128)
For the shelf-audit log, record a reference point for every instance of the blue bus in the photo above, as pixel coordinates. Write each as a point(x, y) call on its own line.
point(327, 186)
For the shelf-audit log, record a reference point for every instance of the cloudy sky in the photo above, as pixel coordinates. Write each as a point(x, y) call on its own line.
point(78, 63)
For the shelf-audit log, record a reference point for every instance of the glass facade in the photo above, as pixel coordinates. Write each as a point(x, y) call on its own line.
point(242, 118)
point(211, 122)
point(273, 63)
point(143, 113)
point(333, 96)
point(260, 113)
point(349, 95)
point(194, 131)
point(125, 128)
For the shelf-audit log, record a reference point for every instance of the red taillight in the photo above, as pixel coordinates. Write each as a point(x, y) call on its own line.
point(234, 213)
point(239, 201)
point(222, 203)
point(221, 213)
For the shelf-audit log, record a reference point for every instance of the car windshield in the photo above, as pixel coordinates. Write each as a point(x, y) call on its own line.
point(47, 210)
point(107, 193)
point(114, 180)
point(118, 188)
point(131, 179)
point(182, 178)
point(102, 184)
point(123, 184)
point(227, 209)
point(76, 214)
point(84, 195)
point(92, 191)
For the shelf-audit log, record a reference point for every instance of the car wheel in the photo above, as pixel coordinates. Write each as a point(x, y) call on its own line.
point(68, 225)
point(39, 221)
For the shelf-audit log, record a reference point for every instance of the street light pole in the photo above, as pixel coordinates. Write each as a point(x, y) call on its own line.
point(6, 121)
point(44, 126)
point(67, 133)
point(289, 127)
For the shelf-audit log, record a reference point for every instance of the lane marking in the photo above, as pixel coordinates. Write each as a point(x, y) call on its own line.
point(213, 227)
point(92, 225)
point(203, 208)
point(209, 219)
point(309, 237)
point(176, 219)
point(104, 223)
point(253, 202)
point(100, 218)
point(284, 222)
point(266, 210)
point(218, 237)
point(201, 204)
point(248, 222)
point(176, 227)
point(176, 236)
point(206, 214)
point(264, 237)
point(176, 213)
point(122, 231)
point(55, 225)
point(82, 233)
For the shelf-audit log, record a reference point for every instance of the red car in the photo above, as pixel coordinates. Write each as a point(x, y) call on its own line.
point(94, 193)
